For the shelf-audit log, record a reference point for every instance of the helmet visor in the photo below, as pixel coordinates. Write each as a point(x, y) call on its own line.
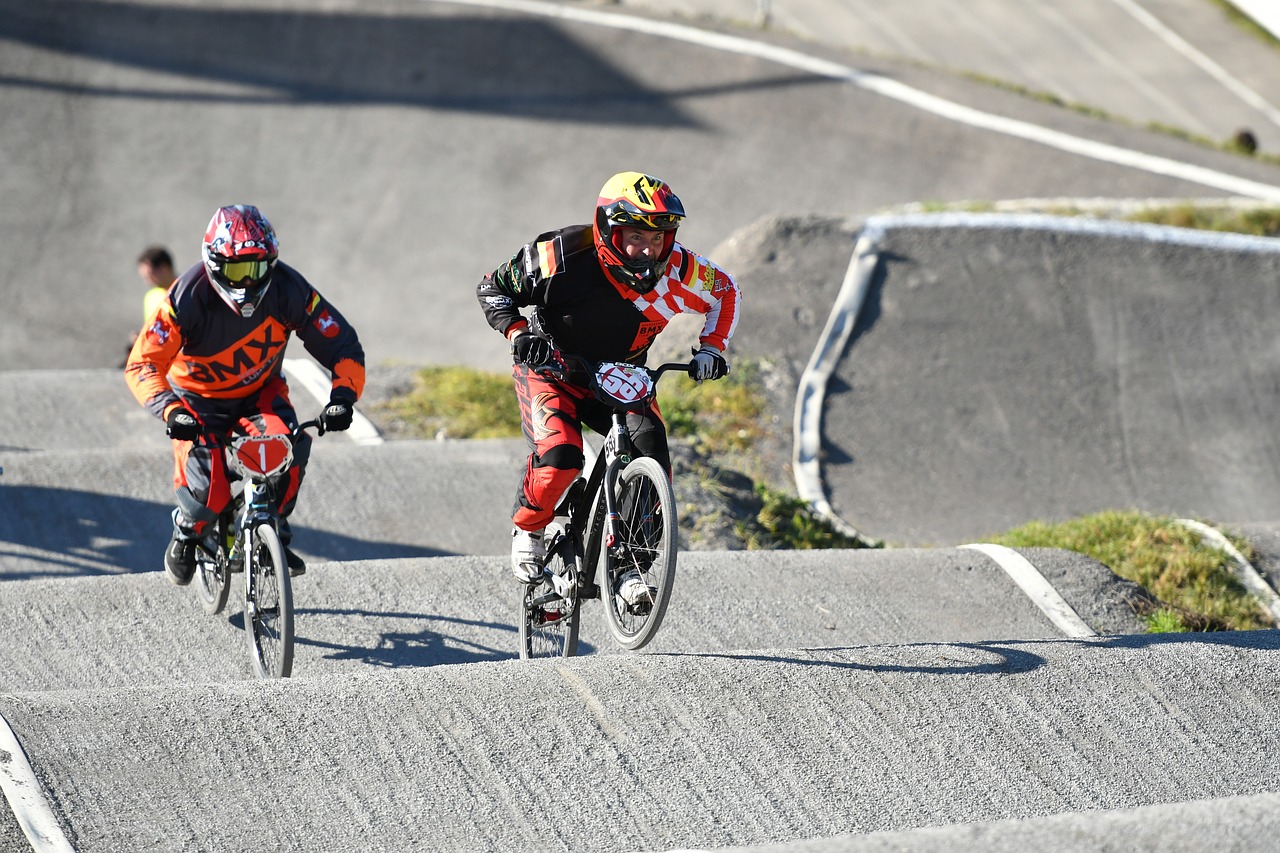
point(650, 221)
point(236, 272)
point(630, 217)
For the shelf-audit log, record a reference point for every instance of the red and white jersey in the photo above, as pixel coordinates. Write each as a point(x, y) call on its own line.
point(583, 311)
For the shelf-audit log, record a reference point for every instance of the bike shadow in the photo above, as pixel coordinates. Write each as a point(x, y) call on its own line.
point(987, 658)
point(53, 532)
point(428, 639)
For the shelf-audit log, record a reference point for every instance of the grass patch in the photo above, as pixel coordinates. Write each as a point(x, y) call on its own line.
point(787, 522)
point(1190, 578)
point(456, 402)
point(1259, 221)
point(721, 417)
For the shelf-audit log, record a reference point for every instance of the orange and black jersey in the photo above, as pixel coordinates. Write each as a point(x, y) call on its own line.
point(582, 311)
point(199, 345)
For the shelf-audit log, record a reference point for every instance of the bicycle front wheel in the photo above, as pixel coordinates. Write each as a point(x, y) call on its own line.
point(641, 563)
point(269, 606)
point(549, 622)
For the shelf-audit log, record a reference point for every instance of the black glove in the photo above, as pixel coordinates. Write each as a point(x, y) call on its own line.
point(182, 425)
point(337, 416)
point(528, 348)
point(708, 363)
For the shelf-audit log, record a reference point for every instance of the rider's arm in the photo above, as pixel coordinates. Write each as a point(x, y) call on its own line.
point(148, 367)
point(523, 281)
point(711, 291)
point(330, 339)
point(502, 293)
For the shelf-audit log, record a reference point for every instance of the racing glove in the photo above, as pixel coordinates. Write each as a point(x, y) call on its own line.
point(182, 425)
point(528, 348)
point(708, 363)
point(337, 416)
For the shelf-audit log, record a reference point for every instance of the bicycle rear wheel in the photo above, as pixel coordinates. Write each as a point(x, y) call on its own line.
point(646, 544)
point(213, 573)
point(549, 622)
point(269, 605)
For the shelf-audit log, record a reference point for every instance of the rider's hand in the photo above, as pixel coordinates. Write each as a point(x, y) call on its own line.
point(708, 363)
point(528, 348)
point(182, 425)
point(337, 416)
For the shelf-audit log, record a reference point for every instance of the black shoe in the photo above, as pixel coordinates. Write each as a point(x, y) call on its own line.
point(296, 564)
point(180, 560)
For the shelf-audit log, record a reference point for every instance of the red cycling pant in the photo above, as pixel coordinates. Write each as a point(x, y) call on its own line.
point(201, 479)
point(552, 414)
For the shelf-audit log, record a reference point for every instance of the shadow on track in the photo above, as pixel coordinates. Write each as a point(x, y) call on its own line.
point(512, 67)
point(51, 532)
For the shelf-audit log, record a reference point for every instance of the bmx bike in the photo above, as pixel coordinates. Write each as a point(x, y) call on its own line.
point(618, 520)
point(245, 538)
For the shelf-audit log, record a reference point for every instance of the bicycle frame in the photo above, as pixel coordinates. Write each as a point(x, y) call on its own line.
point(593, 533)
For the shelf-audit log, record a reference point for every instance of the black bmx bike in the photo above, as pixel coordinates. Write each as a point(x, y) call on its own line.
point(245, 538)
point(615, 526)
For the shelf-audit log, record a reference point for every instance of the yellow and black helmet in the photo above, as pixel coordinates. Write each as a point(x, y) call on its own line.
point(635, 200)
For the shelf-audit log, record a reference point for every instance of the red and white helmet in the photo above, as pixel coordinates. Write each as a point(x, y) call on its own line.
point(240, 249)
point(635, 200)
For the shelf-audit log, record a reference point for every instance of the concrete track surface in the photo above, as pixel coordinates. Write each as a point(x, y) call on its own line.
point(913, 698)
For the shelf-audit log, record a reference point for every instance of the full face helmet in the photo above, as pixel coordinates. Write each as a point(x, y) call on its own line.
point(239, 252)
point(635, 200)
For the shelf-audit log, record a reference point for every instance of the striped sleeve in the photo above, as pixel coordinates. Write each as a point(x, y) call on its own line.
point(715, 294)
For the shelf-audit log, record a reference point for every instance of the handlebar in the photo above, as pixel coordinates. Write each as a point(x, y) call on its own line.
point(218, 439)
point(567, 364)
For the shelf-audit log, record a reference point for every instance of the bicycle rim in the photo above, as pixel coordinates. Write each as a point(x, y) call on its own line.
point(269, 606)
point(646, 544)
point(549, 623)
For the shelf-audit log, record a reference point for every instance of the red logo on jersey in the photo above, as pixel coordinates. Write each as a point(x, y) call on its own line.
point(160, 331)
point(327, 325)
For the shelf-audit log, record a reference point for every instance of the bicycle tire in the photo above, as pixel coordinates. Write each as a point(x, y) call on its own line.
point(213, 575)
point(647, 543)
point(549, 623)
point(269, 605)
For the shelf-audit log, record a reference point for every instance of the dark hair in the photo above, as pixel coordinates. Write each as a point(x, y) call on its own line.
point(156, 256)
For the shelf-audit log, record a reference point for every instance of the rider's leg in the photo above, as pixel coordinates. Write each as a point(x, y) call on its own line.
point(202, 490)
point(649, 434)
point(548, 414)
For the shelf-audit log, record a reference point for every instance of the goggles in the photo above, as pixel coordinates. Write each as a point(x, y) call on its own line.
point(237, 271)
point(651, 221)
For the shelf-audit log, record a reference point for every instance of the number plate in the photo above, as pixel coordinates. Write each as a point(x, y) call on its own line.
point(262, 455)
point(624, 383)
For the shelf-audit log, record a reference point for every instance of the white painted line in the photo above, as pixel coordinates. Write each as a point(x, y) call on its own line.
point(892, 89)
point(1265, 13)
point(1241, 568)
point(308, 374)
point(22, 790)
point(810, 395)
point(1213, 69)
point(1039, 590)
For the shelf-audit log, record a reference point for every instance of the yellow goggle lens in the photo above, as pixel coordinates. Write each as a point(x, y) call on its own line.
point(237, 271)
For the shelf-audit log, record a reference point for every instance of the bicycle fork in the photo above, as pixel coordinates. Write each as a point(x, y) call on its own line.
point(616, 449)
point(257, 499)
